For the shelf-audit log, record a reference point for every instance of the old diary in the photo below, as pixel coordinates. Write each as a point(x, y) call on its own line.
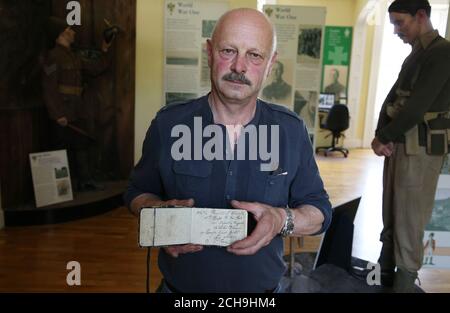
point(178, 226)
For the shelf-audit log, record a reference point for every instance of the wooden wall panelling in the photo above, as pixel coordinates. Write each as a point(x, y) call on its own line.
point(125, 82)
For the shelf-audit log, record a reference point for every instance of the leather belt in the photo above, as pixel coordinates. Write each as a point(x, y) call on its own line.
point(70, 90)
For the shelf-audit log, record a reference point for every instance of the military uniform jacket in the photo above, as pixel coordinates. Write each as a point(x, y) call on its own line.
point(424, 82)
point(63, 83)
point(277, 91)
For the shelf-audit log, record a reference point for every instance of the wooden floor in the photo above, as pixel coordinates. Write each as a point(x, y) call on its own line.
point(34, 259)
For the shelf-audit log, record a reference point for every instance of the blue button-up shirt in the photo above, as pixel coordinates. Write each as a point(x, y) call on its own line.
point(214, 184)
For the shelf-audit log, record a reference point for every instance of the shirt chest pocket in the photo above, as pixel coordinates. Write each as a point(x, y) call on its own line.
point(192, 179)
point(268, 189)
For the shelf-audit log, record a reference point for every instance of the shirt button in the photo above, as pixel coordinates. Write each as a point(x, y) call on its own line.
point(230, 173)
point(272, 183)
point(228, 197)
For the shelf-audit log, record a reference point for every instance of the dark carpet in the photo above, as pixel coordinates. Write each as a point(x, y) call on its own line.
point(329, 278)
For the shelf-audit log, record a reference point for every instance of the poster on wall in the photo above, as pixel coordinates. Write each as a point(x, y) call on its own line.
point(336, 62)
point(188, 24)
point(51, 177)
point(436, 241)
point(296, 76)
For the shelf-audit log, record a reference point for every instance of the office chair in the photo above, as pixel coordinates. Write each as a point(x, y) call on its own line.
point(337, 121)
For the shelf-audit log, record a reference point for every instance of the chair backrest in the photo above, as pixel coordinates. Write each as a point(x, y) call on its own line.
point(336, 245)
point(338, 118)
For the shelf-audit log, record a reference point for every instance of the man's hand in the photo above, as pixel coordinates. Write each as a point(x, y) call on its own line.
point(110, 34)
point(175, 251)
point(108, 37)
point(63, 121)
point(149, 200)
point(270, 221)
point(381, 149)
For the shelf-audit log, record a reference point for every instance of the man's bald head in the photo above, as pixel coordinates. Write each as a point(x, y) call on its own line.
point(241, 54)
point(246, 14)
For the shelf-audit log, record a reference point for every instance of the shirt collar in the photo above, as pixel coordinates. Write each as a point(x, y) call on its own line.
point(205, 111)
point(426, 39)
point(207, 115)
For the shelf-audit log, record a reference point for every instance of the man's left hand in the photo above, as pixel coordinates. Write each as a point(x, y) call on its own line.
point(270, 220)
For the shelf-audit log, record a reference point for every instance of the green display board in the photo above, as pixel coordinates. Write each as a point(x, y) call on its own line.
point(336, 61)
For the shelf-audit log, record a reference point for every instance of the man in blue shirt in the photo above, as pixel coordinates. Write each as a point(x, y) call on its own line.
point(285, 196)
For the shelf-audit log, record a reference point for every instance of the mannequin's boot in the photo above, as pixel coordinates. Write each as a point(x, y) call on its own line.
point(404, 281)
point(85, 182)
point(387, 265)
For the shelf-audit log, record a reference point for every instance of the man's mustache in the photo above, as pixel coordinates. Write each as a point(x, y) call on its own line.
point(233, 77)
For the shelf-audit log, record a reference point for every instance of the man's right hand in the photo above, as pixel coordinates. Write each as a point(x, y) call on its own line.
point(63, 121)
point(175, 251)
point(110, 34)
point(150, 200)
point(381, 149)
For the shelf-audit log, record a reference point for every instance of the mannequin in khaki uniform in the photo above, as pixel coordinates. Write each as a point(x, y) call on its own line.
point(63, 95)
point(411, 172)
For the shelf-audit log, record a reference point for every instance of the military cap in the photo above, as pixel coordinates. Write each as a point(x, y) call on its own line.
point(410, 6)
point(55, 26)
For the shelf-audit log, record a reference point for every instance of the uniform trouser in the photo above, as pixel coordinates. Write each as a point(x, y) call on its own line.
point(77, 147)
point(409, 187)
